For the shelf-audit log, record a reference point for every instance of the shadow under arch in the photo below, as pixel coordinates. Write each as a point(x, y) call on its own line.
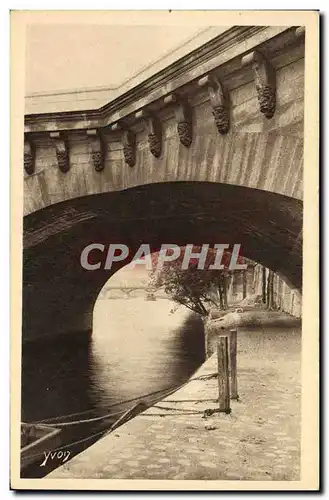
point(59, 294)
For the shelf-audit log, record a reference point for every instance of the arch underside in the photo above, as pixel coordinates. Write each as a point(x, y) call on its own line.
point(59, 295)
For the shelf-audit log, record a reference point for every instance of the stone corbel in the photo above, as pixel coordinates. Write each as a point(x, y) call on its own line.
point(265, 80)
point(29, 156)
point(62, 151)
point(128, 141)
point(183, 115)
point(219, 102)
point(97, 149)
point(154, 131)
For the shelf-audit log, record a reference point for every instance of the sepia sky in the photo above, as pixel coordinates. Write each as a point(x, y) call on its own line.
point(67, 57)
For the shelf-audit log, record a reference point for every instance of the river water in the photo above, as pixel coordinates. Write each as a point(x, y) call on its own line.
point(137, 347)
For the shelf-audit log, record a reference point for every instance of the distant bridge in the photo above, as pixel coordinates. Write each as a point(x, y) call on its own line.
point(115, 292)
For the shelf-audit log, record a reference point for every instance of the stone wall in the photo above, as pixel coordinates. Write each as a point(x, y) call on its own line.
point(286, 298)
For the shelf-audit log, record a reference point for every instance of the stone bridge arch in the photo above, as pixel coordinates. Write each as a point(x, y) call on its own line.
point(210, 149)
point(267, 225)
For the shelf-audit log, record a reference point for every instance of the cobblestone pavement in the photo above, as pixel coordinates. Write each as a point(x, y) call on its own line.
point(259, 440)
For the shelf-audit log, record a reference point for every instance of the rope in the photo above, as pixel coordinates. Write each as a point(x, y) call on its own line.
point(164, 392)
point(171, 414)
point(87, 421)
point(185, 410)
point(205, 377)
point(54, 419)
point(182, 411)
point(210, 400)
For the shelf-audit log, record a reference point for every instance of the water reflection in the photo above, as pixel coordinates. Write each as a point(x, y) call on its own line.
point(55, 377)
point(139, 347)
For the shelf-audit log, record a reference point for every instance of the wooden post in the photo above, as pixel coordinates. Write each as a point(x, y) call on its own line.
point(233, 368)
point(244, 283)
point(264, 284)
point(223, 375)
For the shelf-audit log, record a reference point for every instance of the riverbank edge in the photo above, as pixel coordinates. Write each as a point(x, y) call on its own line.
point(204, 370)
point(84, 465)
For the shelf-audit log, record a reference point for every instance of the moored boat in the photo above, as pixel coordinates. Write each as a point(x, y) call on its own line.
point(37, 439)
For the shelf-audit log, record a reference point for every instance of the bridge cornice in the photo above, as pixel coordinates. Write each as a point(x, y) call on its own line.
point(222, 55)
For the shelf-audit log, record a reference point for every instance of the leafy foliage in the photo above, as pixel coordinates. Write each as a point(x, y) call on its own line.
point(197, 289)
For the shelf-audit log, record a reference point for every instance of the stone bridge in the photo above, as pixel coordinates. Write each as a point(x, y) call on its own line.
point(109, 292)
point(208, 149)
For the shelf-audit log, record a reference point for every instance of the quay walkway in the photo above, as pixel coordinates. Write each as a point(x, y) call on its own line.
point(179, 438)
